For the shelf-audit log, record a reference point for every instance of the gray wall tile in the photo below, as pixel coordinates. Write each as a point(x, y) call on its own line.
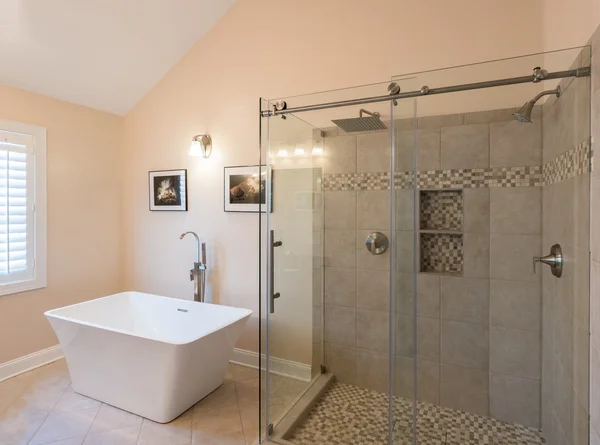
point(516, 305)
point(428, 294)
point(428, 337)
point(428, 149)
point(341, 361)
point(440, 121)
point(373, 289)
point(404, 332)
point(372, 370)
point(340, 286)
point(372, 330)
point(595, 385)
point(515, 400)
point(428, 379)
point(476, 210)
point(476, 251)
point(340, 210)
point(465, 299)
point(340, 325)
point(465, 344)
point(373, 209)
point(466, 146)
point(373, 151)
point(340, 154)
point(480, 117)
point(340, 248)
point(511, 257)
point(405, 209)
point(513, 144)
point(405, 253)
point(515, 352)
point(516, 210)
point(464, 389)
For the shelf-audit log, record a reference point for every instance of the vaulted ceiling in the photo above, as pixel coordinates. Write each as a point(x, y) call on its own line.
point(105, 54)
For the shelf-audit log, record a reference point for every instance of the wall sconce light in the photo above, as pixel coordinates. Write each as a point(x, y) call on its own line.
point(201, 146)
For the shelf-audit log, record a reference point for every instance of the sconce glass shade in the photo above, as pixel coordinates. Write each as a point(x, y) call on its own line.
point(201, 146)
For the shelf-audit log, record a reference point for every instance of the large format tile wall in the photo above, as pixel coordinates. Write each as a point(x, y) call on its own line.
point(566, 217)
point(478, 334)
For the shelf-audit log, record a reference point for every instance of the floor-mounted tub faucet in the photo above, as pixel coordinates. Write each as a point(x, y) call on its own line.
point(198, 273)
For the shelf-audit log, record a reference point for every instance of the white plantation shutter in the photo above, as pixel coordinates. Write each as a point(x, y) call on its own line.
point(19, 225)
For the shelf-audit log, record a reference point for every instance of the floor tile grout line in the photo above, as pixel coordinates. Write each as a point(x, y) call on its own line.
point(50, 411)
point(92, 423)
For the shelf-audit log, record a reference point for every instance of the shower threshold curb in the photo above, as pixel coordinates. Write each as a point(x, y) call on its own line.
point(287, 424)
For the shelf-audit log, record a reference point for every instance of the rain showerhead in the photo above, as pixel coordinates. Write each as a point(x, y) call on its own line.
point(354, 124)
point(524, 113)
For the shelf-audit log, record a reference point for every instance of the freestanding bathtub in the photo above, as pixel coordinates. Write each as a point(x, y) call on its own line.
point(150, 355)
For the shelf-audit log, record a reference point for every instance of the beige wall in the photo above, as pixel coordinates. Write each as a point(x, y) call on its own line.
point(84, 218)
point(569, 23)
point(270, 48)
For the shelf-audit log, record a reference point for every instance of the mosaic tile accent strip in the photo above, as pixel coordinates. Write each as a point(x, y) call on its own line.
point(441, 210)
point(348, 415)
point(569, 164)
point(574, 162)
point(441, 252)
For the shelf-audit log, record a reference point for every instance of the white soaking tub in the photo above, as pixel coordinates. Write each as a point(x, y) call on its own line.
point(150, 355)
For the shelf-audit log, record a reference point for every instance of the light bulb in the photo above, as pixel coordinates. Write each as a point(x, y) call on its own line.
point(195, 149)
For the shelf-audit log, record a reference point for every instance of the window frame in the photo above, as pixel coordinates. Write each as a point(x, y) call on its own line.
point(38, 207)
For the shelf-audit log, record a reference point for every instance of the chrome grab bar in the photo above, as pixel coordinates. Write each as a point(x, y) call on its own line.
point(273, 295)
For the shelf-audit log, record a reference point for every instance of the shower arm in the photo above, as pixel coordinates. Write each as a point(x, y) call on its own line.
point(546, 93)
point(362, 110)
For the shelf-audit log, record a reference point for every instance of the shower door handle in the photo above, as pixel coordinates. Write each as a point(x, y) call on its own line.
point(272, 294)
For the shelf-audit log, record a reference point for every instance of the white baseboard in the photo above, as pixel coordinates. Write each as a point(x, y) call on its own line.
point(279, 366)
point(287, 368)
point(29, 362)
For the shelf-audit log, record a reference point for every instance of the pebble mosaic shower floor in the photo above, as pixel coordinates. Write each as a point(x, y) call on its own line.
point(350, 415)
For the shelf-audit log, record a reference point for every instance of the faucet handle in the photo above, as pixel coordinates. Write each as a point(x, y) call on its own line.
point(192, 275)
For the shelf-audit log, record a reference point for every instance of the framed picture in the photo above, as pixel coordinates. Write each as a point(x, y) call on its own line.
point(245, 188)
point(168, 190)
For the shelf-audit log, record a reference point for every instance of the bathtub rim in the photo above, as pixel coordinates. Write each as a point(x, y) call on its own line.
point(50, 314)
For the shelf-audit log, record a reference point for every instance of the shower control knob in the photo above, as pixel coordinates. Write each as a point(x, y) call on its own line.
point(377, 243)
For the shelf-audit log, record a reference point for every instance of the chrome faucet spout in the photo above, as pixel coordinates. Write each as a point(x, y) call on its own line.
point(197, 243)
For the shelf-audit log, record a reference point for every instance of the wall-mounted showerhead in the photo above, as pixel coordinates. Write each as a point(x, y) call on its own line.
point(524, 113)
point(361, 123)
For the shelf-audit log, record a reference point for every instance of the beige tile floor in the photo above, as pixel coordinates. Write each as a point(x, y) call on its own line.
point(40, 407)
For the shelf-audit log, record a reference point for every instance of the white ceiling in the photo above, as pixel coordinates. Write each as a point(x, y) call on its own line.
point(105, 54)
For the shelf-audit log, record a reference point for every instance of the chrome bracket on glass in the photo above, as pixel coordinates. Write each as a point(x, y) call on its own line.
point(377, 243)
point(274, 295)
point(554, 260)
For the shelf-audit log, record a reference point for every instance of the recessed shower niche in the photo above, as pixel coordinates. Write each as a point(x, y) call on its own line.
point(441, 231)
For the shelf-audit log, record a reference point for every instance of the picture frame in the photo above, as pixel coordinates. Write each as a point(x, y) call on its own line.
point(167, 190)
point(242, 191)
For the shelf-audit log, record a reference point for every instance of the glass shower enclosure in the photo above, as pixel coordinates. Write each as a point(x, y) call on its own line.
point(425, 258)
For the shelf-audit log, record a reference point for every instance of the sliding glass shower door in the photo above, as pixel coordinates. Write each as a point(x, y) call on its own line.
point(293, 234)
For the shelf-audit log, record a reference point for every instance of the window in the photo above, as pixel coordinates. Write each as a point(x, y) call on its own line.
point(22, 207)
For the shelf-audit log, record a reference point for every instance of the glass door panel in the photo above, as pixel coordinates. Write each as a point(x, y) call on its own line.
point(294, 256)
